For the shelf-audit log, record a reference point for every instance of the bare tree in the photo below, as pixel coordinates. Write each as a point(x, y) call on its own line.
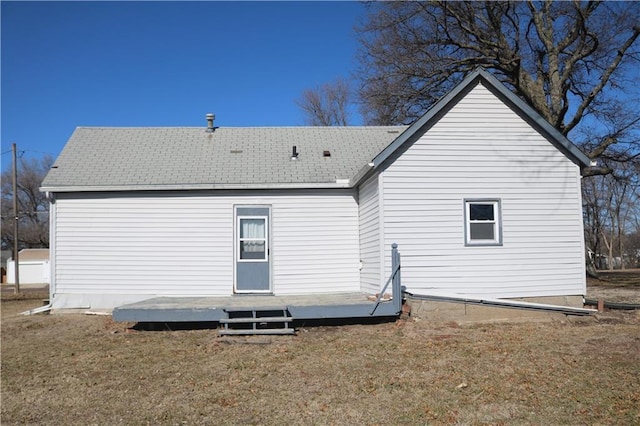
point(575, 62)
point(33, 207)
point(594, 222)
point(611, 204)
point(327, 104)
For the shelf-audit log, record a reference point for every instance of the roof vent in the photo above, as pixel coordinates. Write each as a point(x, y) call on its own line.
point(294, 153)
point(210, 118)
point(326, 153)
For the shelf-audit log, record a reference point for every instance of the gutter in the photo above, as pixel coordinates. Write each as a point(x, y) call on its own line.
point(338, 184)
point(361, 175)
point(513, 304)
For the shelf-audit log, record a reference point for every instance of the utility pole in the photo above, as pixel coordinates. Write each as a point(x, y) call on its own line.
point(16, 261)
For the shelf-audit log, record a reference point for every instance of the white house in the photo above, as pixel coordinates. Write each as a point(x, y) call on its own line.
point(34, 267)
point(481, 195)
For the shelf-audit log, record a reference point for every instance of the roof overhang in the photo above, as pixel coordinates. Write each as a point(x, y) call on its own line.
point(339, 184)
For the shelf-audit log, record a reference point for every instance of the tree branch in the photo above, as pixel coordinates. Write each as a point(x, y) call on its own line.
point(604, 79)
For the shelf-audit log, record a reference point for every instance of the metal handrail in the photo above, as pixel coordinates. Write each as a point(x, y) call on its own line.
point(395, 277)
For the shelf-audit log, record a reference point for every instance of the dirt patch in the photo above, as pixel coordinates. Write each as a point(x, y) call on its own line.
point(615, 286)
point(79, 369)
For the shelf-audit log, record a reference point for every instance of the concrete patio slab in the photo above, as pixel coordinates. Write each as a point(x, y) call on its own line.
point(195, 309)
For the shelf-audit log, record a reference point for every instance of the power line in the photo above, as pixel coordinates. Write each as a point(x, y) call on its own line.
point(23, 151)
point(39, 152)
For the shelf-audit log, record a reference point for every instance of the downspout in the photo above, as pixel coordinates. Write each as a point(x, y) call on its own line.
point(52, 257)
point(39, 310)
point(53, 220)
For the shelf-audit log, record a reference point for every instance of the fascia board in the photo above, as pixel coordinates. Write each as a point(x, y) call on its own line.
point(122, 188)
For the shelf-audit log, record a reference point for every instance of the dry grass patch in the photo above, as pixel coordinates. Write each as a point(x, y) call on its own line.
point(629, 278)
point(615, 286)
point(78, 369)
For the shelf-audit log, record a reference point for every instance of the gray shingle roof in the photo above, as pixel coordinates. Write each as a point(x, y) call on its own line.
point(101, 158)
point(118, 159)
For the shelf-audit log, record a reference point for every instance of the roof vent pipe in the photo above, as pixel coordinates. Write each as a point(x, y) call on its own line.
point(210, 118)
point(294, 153)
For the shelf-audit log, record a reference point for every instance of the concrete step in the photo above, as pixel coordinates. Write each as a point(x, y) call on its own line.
point(257, 320)
point(254, 321)
point(256, 309)
point(264, 331)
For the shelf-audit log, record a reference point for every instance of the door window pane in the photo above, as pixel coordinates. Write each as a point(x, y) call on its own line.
point(252, 228)
point(252, 249)
point(252, 238)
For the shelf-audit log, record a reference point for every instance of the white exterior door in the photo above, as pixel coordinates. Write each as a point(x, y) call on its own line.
point(252, 252)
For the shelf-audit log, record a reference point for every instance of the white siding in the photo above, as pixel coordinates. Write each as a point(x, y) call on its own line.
point(127, 247)
point(370, 256)
point(482, 149)
point(315, 244)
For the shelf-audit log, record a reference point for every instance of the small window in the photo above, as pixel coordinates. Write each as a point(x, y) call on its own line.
point(482, 222)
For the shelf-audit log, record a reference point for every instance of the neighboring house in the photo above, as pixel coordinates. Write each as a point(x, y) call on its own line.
point(481, 195)
point(34, 267)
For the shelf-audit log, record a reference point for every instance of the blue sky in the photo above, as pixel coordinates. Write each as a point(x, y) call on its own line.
point(69, 64)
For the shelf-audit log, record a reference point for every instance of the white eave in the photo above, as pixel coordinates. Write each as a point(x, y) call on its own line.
point(338, 184)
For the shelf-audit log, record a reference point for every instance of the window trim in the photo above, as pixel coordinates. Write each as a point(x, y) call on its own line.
point(497, 222)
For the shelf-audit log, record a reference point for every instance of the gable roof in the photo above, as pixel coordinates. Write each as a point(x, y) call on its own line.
point(480, 76)
point(124, 159)
point(179, 158)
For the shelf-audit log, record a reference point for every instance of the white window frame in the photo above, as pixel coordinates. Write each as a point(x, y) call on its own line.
point(265, 239)
point(497, 222)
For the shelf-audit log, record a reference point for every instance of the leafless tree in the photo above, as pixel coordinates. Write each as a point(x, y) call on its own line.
point(594, 222)
point(326, 104)
point(33, 207)
point(611, 208)
point(575, 62)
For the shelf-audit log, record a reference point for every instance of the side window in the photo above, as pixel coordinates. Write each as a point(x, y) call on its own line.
point(482, 222)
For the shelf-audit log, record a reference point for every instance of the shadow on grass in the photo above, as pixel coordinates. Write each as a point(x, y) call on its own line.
point(214, 325)
point(33, 295)
point(175, 326)
point(629, 278)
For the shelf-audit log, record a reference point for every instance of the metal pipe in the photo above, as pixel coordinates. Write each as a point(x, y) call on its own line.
point(613, 305)
point(513, 304)
point(395, 277)
point(210, 127)
point(39, 310)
